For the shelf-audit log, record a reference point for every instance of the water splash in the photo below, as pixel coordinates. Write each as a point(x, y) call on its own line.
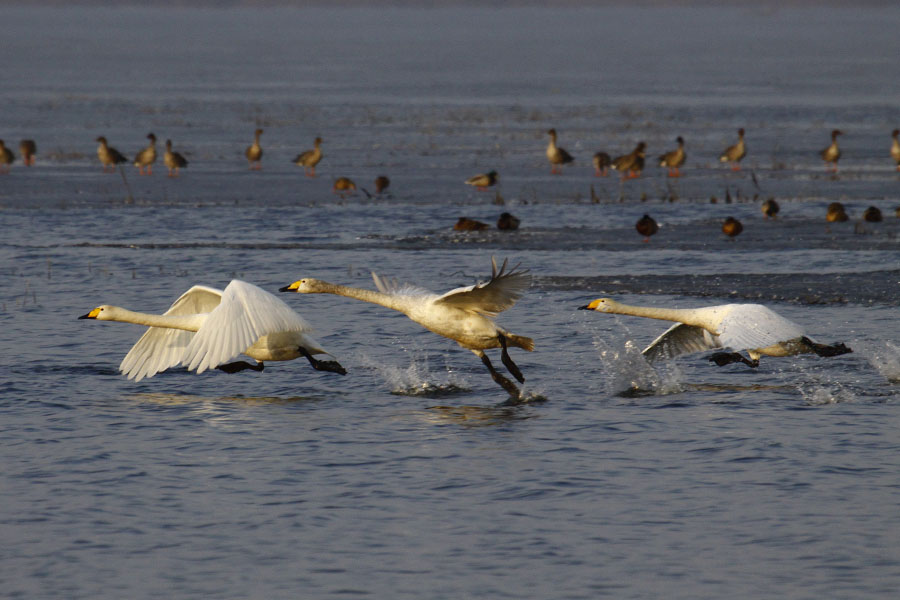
point(627, 373)
point(821, 393)
point(884, 356)
point(418, 378)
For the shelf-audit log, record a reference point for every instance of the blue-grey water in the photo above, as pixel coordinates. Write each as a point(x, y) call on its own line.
point(412, 477)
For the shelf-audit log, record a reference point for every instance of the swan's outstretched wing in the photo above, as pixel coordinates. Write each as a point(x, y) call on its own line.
point(493, 297)
point(161, 348)
point(750, 326)
point(678, 340)
point(245, 314)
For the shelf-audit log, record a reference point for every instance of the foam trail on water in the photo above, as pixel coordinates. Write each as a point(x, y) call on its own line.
point(626, 371)
point(417, 379)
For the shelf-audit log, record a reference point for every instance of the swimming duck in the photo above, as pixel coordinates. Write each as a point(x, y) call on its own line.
point(556, 155)
point(309, 159)
point(895, 147)
point(872, 215)
point(6, 158)
point(832, 153)
point(483, 181)
point(753, 328)
point(734, 154)
point(27, 148)
point(464, 314)
point(836, 213)
point(770, 208)
point(147, 156)
point(732, 227)
point(109, 156)
point(467, 224)
point(631, 164)
point(674, 158)
point(381, 183)
point(646, 226)
point(254, 152)
point(602, 162)
point(173, 160)
point(507, 222)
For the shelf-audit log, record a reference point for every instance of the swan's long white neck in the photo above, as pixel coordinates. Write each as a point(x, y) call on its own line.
point(373, 296)
point(185, 322)
point(688, 316)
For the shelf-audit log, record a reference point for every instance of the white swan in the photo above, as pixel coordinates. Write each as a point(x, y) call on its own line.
point(464, 314)
point(751, 327)
point(205, 327)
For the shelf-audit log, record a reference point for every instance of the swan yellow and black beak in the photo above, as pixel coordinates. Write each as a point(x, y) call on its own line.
point(290, 288)
point(91, 315)
point(592, 306)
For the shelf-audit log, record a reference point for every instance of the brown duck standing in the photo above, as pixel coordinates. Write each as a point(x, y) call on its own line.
point(832, 153)
point(173, 160)
point(6, 158)
point(27, 148)
point(309, 159)
point(770, 208)
point(836, 213)
point(895, 147)
point(734, 154)
point(556, 155)
point(483, 181)
point(646, 226)
point(732, 227)
point(109, 156)
point(147, 156)
point(602, 162)
point(381, 183)
point(507, 222)
point(254, 152)
point(631, 164)
point(673, 159)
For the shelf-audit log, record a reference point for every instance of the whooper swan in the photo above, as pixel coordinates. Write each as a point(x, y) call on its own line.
point(205, 327)
point(753, 328)
point(464, 314)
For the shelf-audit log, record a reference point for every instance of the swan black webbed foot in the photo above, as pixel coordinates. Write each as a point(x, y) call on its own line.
point(508, 362)
point(505, 383)
point(825, 349)
point(726, 358)
point(332, 366)
point(240, 365)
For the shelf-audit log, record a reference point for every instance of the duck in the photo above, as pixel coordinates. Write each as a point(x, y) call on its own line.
point(836, 213)
point(507, 222)
point(6, 158)
point(895, 147)
point(206, 327)
point(467, 224)
point(464, 315)
point(601, 162)
point(832, 153)
point(646, 226)
point(872, 215)
point(483, 181)
point(382, 183)
point(173, 160)
point(147, 156)
point(28, 149)
point(734, 154)
point(770, 208)
point(254, 152)
point(631, 164)
point(556, 155)
point(674, 159)
point(343, 184)
point(109, 156)
point(732, 227)
point(309, 159)
point(753, 328)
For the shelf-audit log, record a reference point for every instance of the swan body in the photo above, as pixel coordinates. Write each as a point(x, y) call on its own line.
point(309, 159)
point(753, 328)
point(464, 314)
point(205, 327)
point(109, 156)
point(734, 154)
point(254, 151)
point(147, 156)
point(556, 155)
